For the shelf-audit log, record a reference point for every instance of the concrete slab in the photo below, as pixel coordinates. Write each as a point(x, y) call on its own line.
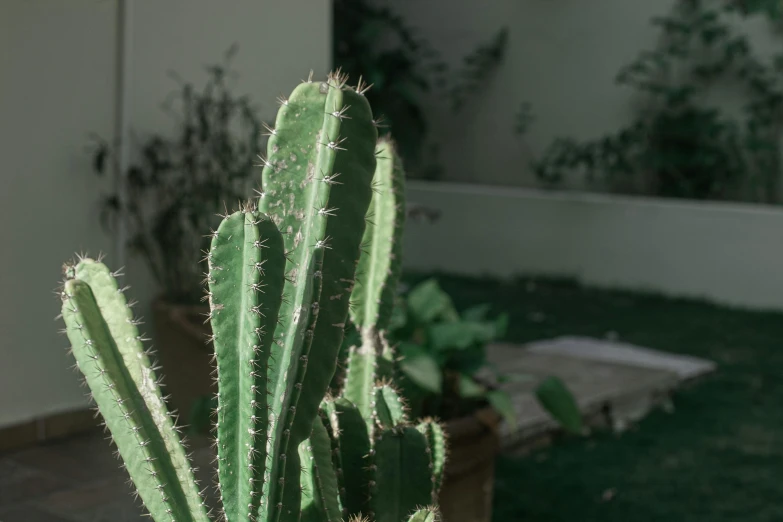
point(686, 367)
point(613, 383)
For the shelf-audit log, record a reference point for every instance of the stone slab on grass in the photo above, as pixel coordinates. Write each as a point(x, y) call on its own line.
point(613, 383)
point(686, 367)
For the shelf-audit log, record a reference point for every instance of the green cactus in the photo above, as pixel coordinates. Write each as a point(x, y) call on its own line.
point(281, 275)
point(387, 465)
point(379, 267)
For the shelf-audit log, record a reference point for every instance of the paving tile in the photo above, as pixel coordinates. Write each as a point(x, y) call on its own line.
point(27, 513)
point(84, 499)
point(19, 483)
point(72, 459)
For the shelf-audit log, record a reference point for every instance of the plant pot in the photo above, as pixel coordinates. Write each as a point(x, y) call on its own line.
point(466, 494)
point(183, 354)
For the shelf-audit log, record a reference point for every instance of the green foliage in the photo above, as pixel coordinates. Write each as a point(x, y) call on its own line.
point(177, 184)
point(280, 274)
point(444, 367)
point(443, 354)
point(680, 145)
point(377, 44)
point(557, 400)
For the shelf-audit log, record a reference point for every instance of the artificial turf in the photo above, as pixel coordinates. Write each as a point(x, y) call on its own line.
point(717, 457)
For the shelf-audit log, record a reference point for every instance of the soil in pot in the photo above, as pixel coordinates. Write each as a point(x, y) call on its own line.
point(466, 495)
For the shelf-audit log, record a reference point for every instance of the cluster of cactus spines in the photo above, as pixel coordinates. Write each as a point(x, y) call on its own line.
point(108, 349)
point(389, 409)
point(280, 279)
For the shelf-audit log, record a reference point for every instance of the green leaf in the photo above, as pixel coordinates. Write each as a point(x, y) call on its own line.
point(560, 403)
point(477, 313)
point(458, 336)
point(470, 389)
point(427, 302)
point(501, 326)
point(501, 401)
point(423, 371)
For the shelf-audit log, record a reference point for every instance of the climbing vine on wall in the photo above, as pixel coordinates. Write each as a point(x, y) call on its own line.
point(680, 145)
point(373, 41)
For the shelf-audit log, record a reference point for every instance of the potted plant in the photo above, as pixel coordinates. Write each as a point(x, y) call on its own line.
point(170, 198)
point(442, 370)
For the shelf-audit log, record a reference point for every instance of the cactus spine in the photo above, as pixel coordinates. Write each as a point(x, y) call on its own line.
point(281, 274)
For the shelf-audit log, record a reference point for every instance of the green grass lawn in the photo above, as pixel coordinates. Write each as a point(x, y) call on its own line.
point(717, 457)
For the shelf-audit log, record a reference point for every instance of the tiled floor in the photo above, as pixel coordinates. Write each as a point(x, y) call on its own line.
point(79, 480)
point(74, 480)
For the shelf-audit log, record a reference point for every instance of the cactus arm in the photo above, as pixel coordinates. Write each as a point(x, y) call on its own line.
point(326, 414)
point(437, 443)
point(386, 361)
point(428, 514)
point(389, 407)
point(360, 376)
point(402, 479)
point(135, 428)
point(124, 330)
point(246, 273)
point(380, 264)
point(355, 455)
point(318, 195)
point(319, 478)
point(287, 499)
point(379, 267)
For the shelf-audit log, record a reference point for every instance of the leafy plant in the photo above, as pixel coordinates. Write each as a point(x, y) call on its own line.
point(374, 42)
point(443, 360)
point(679, 145)
point(171, 194)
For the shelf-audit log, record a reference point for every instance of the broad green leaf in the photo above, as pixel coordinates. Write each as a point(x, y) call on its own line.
point(458, 336)
point(423, 371)
point(470, 389)
point(477, 313)
point(501, 327)
point(560, 403)
point(427, 302)
point(501, 401)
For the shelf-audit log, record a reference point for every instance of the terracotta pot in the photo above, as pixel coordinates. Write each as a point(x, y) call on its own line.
point(183, 354)
point(466, 495)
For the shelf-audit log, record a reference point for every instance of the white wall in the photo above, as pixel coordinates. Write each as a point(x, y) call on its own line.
point(57, 84)
point(562, 57)
point(728, 253)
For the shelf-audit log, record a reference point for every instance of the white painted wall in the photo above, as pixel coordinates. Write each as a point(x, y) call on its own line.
point(57, 84)
point(562, 57)
point(728, 253)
